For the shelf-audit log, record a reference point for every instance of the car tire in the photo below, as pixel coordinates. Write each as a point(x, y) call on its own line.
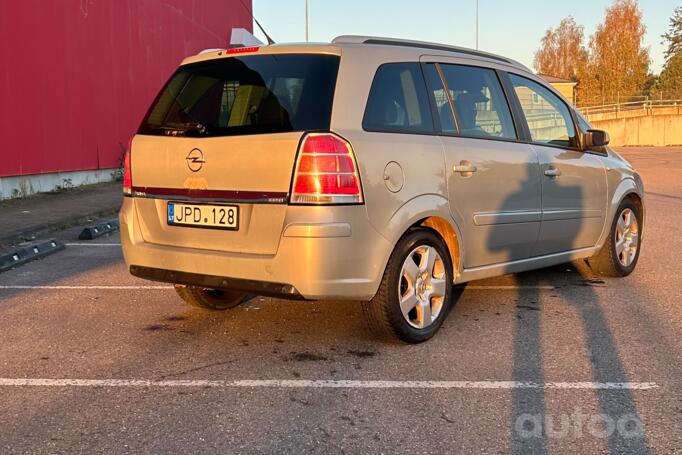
point(387, 314)
point(619, 255)
point(210, 299)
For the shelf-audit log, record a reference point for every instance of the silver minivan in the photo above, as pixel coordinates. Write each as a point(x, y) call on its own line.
point(369, 169)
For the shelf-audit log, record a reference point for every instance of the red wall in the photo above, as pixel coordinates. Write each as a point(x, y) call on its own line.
point(78, 75)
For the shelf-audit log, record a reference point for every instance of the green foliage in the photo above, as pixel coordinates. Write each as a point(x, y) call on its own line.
point(25, 188)
point(651, 85)
point(670, 80)
point(66, 185)
point(117, 175)
point(674, 35)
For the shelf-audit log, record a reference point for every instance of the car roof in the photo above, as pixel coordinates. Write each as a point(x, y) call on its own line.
point(338, 43)
point(425, 45)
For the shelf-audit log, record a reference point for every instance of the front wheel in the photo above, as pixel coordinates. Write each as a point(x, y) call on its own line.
point(210, 299)
point(620, 252)
point(415, 292)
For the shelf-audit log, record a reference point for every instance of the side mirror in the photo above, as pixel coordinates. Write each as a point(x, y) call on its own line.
point(595, 138)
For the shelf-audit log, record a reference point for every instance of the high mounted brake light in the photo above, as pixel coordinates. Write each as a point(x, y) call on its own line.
point(326, 172)
point(242, 50)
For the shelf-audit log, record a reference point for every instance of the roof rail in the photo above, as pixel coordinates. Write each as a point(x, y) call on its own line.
point(355, 39)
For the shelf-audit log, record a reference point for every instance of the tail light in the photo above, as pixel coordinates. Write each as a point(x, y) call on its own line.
point(127, 175)
point(326, 172)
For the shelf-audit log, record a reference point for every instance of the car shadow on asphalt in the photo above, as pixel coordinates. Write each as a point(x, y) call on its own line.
point(529, 409)
point(528, 404)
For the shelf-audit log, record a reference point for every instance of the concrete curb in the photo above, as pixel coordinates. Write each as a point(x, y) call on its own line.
point(98, 230)
point(29, 253)
point(31, 233)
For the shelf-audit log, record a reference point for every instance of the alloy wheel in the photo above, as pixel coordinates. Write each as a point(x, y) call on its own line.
point(421, 289)
point(627, 237)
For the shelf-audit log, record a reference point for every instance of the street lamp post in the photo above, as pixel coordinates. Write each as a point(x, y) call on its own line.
point(476, 24)
point(306, 21)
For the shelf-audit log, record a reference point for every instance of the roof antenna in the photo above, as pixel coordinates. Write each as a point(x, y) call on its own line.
point(267, 37)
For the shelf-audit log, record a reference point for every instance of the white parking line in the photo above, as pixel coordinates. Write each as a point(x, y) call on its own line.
point(18, 287)
point(324, 384)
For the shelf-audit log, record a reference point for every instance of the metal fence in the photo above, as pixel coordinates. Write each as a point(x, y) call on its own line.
point(648, 105)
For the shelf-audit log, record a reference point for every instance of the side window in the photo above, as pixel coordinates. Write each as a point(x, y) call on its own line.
point(440, 98)
point(549, 119)
point(398, 100)
point(480, 104)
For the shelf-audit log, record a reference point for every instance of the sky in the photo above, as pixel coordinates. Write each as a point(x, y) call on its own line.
point(509, 28)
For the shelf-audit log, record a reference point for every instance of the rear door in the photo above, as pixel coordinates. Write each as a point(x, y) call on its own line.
point(226, 132)
point(492, 179)
point(573, 181)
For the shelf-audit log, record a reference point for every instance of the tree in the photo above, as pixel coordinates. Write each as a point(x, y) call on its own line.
point(561, 51)
point(618, 65)
point(674, 35)
point(670, 81)
point(651, 85)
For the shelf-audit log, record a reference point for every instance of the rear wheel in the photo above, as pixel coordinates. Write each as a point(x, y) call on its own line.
point(415, 292)
point(620, 252)
point(211, 299)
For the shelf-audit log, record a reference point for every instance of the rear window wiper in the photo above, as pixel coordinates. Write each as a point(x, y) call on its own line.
point(183, 128)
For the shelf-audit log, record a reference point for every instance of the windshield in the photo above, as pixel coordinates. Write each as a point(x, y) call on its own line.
point(253, 94)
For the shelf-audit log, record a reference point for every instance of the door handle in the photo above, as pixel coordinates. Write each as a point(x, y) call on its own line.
point(466, 168)
point(552, 172)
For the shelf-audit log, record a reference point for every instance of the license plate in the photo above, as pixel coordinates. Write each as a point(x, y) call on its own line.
point(201, 215)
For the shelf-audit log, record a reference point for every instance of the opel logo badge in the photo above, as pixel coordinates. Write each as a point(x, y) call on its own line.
point(195, 160)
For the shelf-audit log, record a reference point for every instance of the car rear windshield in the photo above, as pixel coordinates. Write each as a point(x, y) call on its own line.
point(253, 94)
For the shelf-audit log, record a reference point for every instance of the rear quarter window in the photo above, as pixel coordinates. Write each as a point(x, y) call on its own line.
point(398, 100)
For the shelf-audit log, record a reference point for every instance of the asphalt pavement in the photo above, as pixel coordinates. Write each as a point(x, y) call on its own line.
point(93, 360)
point(41, 214)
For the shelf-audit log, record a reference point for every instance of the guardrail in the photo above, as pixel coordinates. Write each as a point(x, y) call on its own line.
point(647, 105)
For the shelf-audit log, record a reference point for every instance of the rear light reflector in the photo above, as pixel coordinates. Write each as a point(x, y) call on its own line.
point(326, 172)
point(127, 174)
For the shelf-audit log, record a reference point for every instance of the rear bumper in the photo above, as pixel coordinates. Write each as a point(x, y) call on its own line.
point(216, 282)
point(323, 253)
